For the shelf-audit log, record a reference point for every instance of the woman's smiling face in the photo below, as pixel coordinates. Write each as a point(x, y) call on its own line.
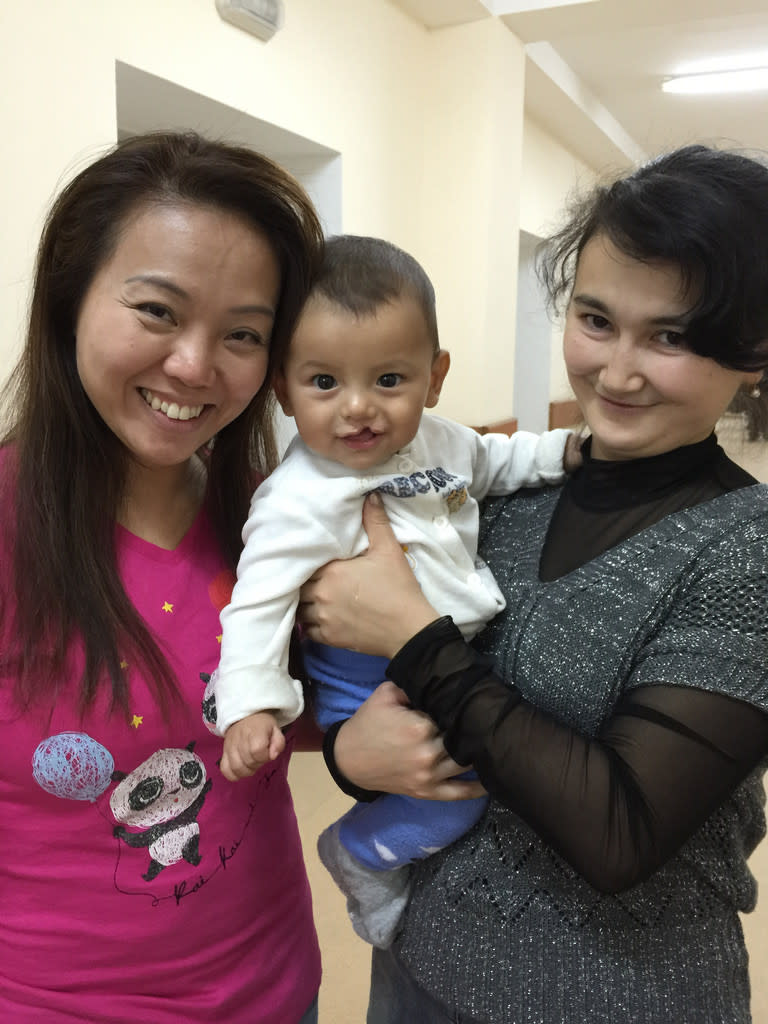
point(172, 338)
point(641, 390)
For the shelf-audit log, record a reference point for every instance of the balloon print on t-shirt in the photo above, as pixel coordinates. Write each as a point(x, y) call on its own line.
point(158, 801)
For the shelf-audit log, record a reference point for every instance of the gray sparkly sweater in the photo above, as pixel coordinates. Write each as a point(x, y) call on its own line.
point(500, 927)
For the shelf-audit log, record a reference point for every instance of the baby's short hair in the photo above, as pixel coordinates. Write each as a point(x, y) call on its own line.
point(359, 274)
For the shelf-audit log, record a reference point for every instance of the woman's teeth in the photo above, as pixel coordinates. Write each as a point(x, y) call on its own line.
point(171, 409)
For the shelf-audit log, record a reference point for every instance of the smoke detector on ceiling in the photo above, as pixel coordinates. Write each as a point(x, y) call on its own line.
point(261, 17)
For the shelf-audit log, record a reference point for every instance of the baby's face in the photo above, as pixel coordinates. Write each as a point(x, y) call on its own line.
point(357, 386)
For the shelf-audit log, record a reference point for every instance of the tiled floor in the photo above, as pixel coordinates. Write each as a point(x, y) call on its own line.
point(343, 996)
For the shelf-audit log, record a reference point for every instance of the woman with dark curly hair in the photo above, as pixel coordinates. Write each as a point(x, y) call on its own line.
point(617, 710)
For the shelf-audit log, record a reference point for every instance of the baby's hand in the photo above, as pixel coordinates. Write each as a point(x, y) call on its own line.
point(572, 458)
point(250, 743)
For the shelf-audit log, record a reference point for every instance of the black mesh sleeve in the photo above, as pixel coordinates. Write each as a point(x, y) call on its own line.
point(615, 806)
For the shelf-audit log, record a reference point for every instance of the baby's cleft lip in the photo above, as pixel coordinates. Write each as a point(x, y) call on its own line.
point(364, 438)
point(173, 410)
point(366, 433)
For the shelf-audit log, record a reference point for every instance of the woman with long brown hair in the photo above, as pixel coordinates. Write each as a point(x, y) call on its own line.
point(136, 883)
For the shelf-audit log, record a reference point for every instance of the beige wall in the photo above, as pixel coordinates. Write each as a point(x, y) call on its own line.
point(322, 77)
point(429, 125)
point(550, 174)
point(472, 153)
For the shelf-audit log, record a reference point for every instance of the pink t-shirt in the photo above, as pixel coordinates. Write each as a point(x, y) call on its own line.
point(136, 883)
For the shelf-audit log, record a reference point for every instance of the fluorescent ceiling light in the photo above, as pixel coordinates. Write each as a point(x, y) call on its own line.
point(743, 80)
point(725, 62)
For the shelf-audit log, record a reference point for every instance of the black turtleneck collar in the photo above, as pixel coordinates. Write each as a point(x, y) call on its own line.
point(601, 484)
point(604, 503)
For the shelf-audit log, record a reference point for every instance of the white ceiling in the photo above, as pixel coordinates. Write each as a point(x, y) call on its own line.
point(595, 68)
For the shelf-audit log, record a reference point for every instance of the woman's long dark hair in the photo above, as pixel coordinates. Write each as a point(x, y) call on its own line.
point(65, 470)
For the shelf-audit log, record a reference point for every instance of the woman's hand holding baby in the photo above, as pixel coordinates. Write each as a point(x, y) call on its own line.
point(371, 603)
point(387, 746)
point(374, 604)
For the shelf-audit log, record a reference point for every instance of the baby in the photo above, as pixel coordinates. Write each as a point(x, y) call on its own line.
point(363, 365)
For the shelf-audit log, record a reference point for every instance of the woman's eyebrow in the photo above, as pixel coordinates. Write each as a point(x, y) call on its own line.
point(669, 319)
point(261, 310)
point(170, 286)
point(159, 282)
point(589, 300)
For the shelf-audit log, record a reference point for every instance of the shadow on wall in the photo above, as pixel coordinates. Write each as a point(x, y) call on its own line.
point(148, 103)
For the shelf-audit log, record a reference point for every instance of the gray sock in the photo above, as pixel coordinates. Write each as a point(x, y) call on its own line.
point(375, 899)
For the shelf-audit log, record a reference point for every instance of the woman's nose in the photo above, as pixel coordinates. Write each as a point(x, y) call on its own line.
point(620, 370)
point(191, 359)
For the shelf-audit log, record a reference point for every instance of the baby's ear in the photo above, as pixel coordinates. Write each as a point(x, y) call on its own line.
point(281, 392)
point(440, 366)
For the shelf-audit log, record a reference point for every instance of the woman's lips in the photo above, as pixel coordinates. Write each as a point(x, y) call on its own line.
point(615, 404)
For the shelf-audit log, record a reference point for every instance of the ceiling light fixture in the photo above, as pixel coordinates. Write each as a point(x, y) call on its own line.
point(741, 80)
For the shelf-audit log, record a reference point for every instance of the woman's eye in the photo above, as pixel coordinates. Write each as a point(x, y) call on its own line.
point(155, 310)
point(596, 322)
point(324, 381)
point(389, 380)
point(253, 337)
point(672, 339)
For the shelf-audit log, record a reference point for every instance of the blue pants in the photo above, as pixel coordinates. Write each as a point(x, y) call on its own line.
point(393, 830)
